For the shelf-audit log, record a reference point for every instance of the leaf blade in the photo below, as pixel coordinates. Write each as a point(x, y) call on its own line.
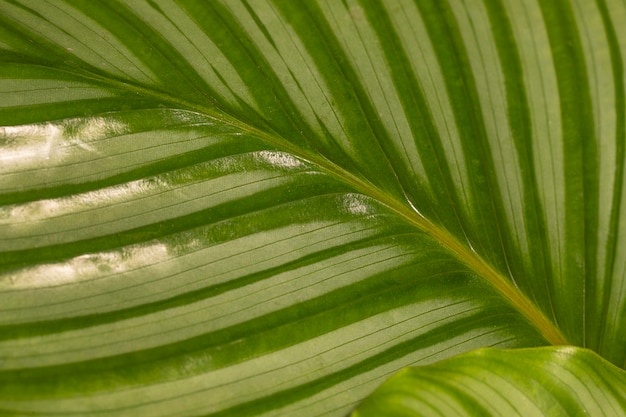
point(243, 125)
point(532, 382)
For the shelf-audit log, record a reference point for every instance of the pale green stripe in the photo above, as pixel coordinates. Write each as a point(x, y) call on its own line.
point(615, 318)
point(542, 91)
point(78, 34)
point(175, 267)
point(130, 205)
point(423, 60)
point(255, 300)
point(344, 396)
point(280, 370)
point(28, 92)
point(87, 149)
point(294, 66)
point(77, 289)
point(361, 46)
point(600, 73)
point(197, 50)
point(476, 32)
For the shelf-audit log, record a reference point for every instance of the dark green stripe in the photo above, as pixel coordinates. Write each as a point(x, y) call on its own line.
point(398, 234)
point(362, 122)
point(228, 145)
point(535, 276)
point(581, 156)
point(280, 116)
point(443, 206)
point(177, 76)
point(242, 210)
point(272, 332)
point(486, 229)
point(430, 338)
point(597, 339)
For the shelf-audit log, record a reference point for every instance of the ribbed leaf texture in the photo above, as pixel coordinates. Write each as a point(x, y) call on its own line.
point(538, 382)
point(269, 207)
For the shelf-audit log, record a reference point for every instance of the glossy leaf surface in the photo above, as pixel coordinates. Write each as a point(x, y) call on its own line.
point(562, 381)
point(268, 207)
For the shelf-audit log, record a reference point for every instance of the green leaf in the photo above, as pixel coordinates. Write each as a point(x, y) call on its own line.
point(562, 381)
point(269, 207)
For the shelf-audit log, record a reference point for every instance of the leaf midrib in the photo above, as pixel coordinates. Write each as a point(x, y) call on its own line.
point(409, 213)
